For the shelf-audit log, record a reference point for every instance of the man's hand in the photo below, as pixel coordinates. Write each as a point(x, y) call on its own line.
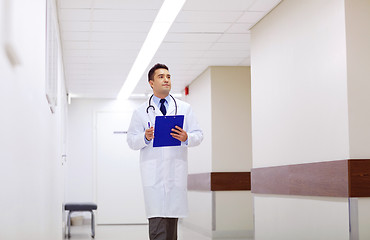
point(149, 133)
point(179, 134)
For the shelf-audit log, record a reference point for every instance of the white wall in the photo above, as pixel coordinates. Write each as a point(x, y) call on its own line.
point(358, 62)
point(30, 140)
point(232, 147)
point(200, 157)
point(221, 98)
point(300, 112)
point(81, 173)
point(364, 218)
point(231, 119)
point(233, 214)
point(81, 158)
point(303, 218)
point(299, 87)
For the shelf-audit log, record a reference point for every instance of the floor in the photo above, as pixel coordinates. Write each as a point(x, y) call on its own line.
point(129, 232)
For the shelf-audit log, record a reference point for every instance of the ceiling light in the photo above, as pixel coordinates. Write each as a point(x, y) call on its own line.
point(162, 23)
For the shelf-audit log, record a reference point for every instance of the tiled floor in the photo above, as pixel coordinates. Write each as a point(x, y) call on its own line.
point(128, 232)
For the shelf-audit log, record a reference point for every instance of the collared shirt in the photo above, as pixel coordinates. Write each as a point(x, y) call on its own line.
point(156, 101)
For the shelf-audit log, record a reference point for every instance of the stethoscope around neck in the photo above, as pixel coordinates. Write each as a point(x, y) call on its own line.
point(151, 106)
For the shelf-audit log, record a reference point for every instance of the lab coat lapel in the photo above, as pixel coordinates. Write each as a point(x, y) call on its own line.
point(158, 111)
point(171, 108)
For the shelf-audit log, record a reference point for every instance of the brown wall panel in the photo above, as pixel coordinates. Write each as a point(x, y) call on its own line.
point(199, 182)
point(311, 179)
point(270, 180)
point(359, 172)
point(219, 181)
point(230, 181)
point(343, 178)
point(319, 179)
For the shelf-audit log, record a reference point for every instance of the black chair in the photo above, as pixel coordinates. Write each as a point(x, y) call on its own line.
point(80, 207)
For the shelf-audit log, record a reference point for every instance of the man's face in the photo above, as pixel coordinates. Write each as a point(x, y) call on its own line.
point(161, 82)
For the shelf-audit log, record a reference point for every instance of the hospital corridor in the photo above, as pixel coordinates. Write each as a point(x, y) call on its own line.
point(185, 119)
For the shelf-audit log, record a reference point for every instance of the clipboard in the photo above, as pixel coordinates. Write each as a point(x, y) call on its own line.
point(162, 130)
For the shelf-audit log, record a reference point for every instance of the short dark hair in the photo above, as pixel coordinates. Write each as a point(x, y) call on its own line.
point(155, 67)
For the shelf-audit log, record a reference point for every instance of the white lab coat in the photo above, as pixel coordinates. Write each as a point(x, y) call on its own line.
point(164, 170)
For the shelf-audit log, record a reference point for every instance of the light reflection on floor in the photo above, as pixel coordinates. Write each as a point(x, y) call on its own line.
point(129, 232)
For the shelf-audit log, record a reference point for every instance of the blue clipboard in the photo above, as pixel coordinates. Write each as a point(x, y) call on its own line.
point(162, 130)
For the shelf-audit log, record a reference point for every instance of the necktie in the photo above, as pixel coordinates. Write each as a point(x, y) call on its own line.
point(163, 107)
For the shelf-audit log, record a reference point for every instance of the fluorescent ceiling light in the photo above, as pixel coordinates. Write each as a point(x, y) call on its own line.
point(162, 23)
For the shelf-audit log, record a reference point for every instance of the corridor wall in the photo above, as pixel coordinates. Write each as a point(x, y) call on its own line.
point(81, 165)
point(305, 109)
point(200, 157)
point(358, 74)
point(220, 96)
point(32, 138)
point(232, 148)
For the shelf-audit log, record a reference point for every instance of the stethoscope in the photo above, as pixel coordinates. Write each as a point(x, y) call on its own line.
point(151, 106)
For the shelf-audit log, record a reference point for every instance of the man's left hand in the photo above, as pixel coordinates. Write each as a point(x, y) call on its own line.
point(179, 134)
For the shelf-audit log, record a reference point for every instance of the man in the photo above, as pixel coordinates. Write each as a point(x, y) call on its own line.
point(163, 169)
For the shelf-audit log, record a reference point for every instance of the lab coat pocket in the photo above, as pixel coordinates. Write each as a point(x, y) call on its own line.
point(148, 172)
point(181, 173)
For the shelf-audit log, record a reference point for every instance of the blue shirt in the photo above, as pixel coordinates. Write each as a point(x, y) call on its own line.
point(157, 103)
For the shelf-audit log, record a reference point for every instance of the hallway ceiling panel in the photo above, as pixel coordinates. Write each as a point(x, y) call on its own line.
point(101, 39)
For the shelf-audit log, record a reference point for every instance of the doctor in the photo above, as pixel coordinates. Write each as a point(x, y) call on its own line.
point(163, 169)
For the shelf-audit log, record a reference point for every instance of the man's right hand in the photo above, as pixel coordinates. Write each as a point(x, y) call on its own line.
point(149, 133)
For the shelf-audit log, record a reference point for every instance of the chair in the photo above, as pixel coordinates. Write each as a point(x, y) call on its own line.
point(81, 207)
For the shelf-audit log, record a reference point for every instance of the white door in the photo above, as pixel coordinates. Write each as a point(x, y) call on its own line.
point(119, 192)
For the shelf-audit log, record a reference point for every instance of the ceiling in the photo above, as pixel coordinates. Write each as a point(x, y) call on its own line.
point(101, 39)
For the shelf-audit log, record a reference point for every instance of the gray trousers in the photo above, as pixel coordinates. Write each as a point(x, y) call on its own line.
point(163, 228)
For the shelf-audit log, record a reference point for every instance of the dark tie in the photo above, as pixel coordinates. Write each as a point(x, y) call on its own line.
point(163, 107)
